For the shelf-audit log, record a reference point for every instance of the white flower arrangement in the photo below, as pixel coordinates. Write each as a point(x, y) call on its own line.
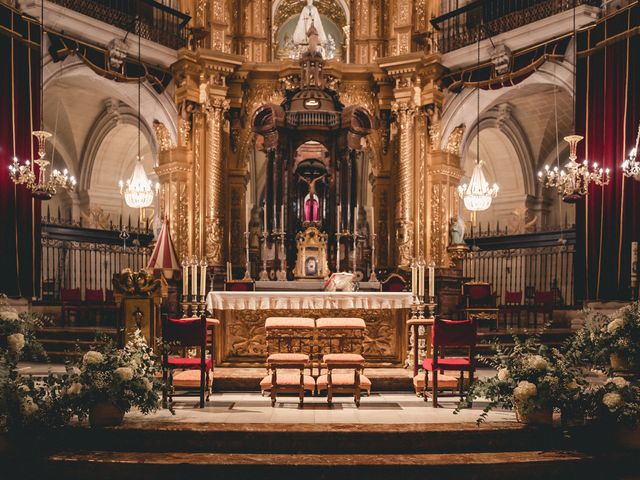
point(524, 391)
point(619, 382)
point(503, 374)
point(614, 325)
point(537, 362)
point(612, 400)
point(15, 342)
point(124, 373)
point(92, 357)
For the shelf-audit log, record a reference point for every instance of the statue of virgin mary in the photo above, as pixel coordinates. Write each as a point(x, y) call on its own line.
point(309, 16)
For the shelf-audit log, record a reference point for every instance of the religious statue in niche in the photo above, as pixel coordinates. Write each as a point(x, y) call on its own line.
point(294, 43)
point(311, 202)
point(309, 16)
point(456, 230)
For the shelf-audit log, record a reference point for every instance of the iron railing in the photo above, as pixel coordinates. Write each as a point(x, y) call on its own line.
point(158, 22)
point(86, 258)
point(526, 263)
point(461, 24)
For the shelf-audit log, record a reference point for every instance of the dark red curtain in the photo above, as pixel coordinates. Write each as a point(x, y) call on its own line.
point(607, 115)
point(19, 113)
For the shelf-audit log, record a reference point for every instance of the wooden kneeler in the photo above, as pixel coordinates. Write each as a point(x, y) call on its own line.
point(288, 383)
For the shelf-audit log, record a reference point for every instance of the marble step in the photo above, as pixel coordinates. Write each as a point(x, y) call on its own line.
point(170, 465)
point(143, 435)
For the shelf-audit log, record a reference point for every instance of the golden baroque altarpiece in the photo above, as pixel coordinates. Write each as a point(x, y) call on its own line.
point(389, 65)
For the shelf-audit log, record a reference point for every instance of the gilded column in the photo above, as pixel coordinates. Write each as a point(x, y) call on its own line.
point(214, 184)
point(405, 112)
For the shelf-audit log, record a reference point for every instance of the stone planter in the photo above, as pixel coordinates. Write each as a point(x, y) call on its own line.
point(618, 363)
point(542, 416)
point(105, 414)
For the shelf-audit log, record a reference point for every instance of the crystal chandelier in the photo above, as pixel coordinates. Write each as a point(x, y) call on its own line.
point(631, 166)
point(477, 194)
point(572, 181)
point(43, 186)
point(138, 190)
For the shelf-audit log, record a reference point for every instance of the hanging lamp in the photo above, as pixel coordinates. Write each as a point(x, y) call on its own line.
point(477, 195)
point(43, 185)
point(572, 181)
point(138, 190)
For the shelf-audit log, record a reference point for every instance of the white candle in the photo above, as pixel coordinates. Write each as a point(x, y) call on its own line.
point(194, 276)
point(373, 222)
point(185, 278)
point(203, 278)
point(414, 278)
point(282, 217)
point(338, 219)
point(432, 279)
point(421, 278)
point(264, 217)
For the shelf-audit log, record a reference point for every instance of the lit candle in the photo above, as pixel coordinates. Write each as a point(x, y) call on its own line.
point(432, 280)
point(203, 278)
point(185, 278)
point(194, 276)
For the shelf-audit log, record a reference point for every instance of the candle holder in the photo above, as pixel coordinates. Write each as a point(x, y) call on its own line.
point(247, 263)
point(373, 278)
point(339, 235)
point(281, 273)
point(431, 307)
point(264, 275)
point(355, 252)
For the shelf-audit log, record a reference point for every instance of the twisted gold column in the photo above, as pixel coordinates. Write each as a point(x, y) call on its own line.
point(214, 251)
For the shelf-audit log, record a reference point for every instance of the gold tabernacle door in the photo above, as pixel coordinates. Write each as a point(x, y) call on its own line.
point(311, 262)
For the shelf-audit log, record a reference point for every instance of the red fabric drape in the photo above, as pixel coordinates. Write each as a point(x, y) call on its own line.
point(19, 214)
point(607, 114)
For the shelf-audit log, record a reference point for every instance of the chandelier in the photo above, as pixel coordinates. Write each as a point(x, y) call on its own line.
point(572, 181)
point(138, 190)
point(477, 194)
point(631, 166)
point(43, 185)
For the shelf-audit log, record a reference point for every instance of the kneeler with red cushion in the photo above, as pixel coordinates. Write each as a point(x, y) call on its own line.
point(451, 334)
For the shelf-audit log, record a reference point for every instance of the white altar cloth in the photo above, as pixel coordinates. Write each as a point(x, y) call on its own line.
point(287, 300)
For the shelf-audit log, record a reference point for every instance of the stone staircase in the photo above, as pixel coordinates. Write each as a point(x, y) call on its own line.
point(146, 449)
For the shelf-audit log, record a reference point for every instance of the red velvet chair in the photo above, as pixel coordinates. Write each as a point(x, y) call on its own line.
point(93, 296)
point(394, 283)
point(480, 302)
point(512, 307)
point(183, 333)
point(239, 286)
point(71, 299)
point(450, 334)
point(542, 304)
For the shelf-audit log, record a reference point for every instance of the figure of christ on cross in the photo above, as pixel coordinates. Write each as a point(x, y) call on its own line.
point(311, 199)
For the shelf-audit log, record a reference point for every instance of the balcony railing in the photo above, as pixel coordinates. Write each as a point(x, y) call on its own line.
point(158, 22)
point(458, 27)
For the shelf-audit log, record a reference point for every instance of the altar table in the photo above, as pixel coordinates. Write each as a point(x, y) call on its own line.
point(242, 338)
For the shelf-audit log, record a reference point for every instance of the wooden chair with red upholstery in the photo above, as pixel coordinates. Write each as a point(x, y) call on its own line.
point(71, 299)
point(183, 333)
point(542, 304)
point(511, 308)
point(451, 334)
point(394, 283)
point(239, 286)
point(480, 302)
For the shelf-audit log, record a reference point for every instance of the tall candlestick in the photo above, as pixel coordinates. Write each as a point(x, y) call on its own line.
point(194, 276)
point(185, 278)
point(203, 278)
point(432, 280)
point(339, 219)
